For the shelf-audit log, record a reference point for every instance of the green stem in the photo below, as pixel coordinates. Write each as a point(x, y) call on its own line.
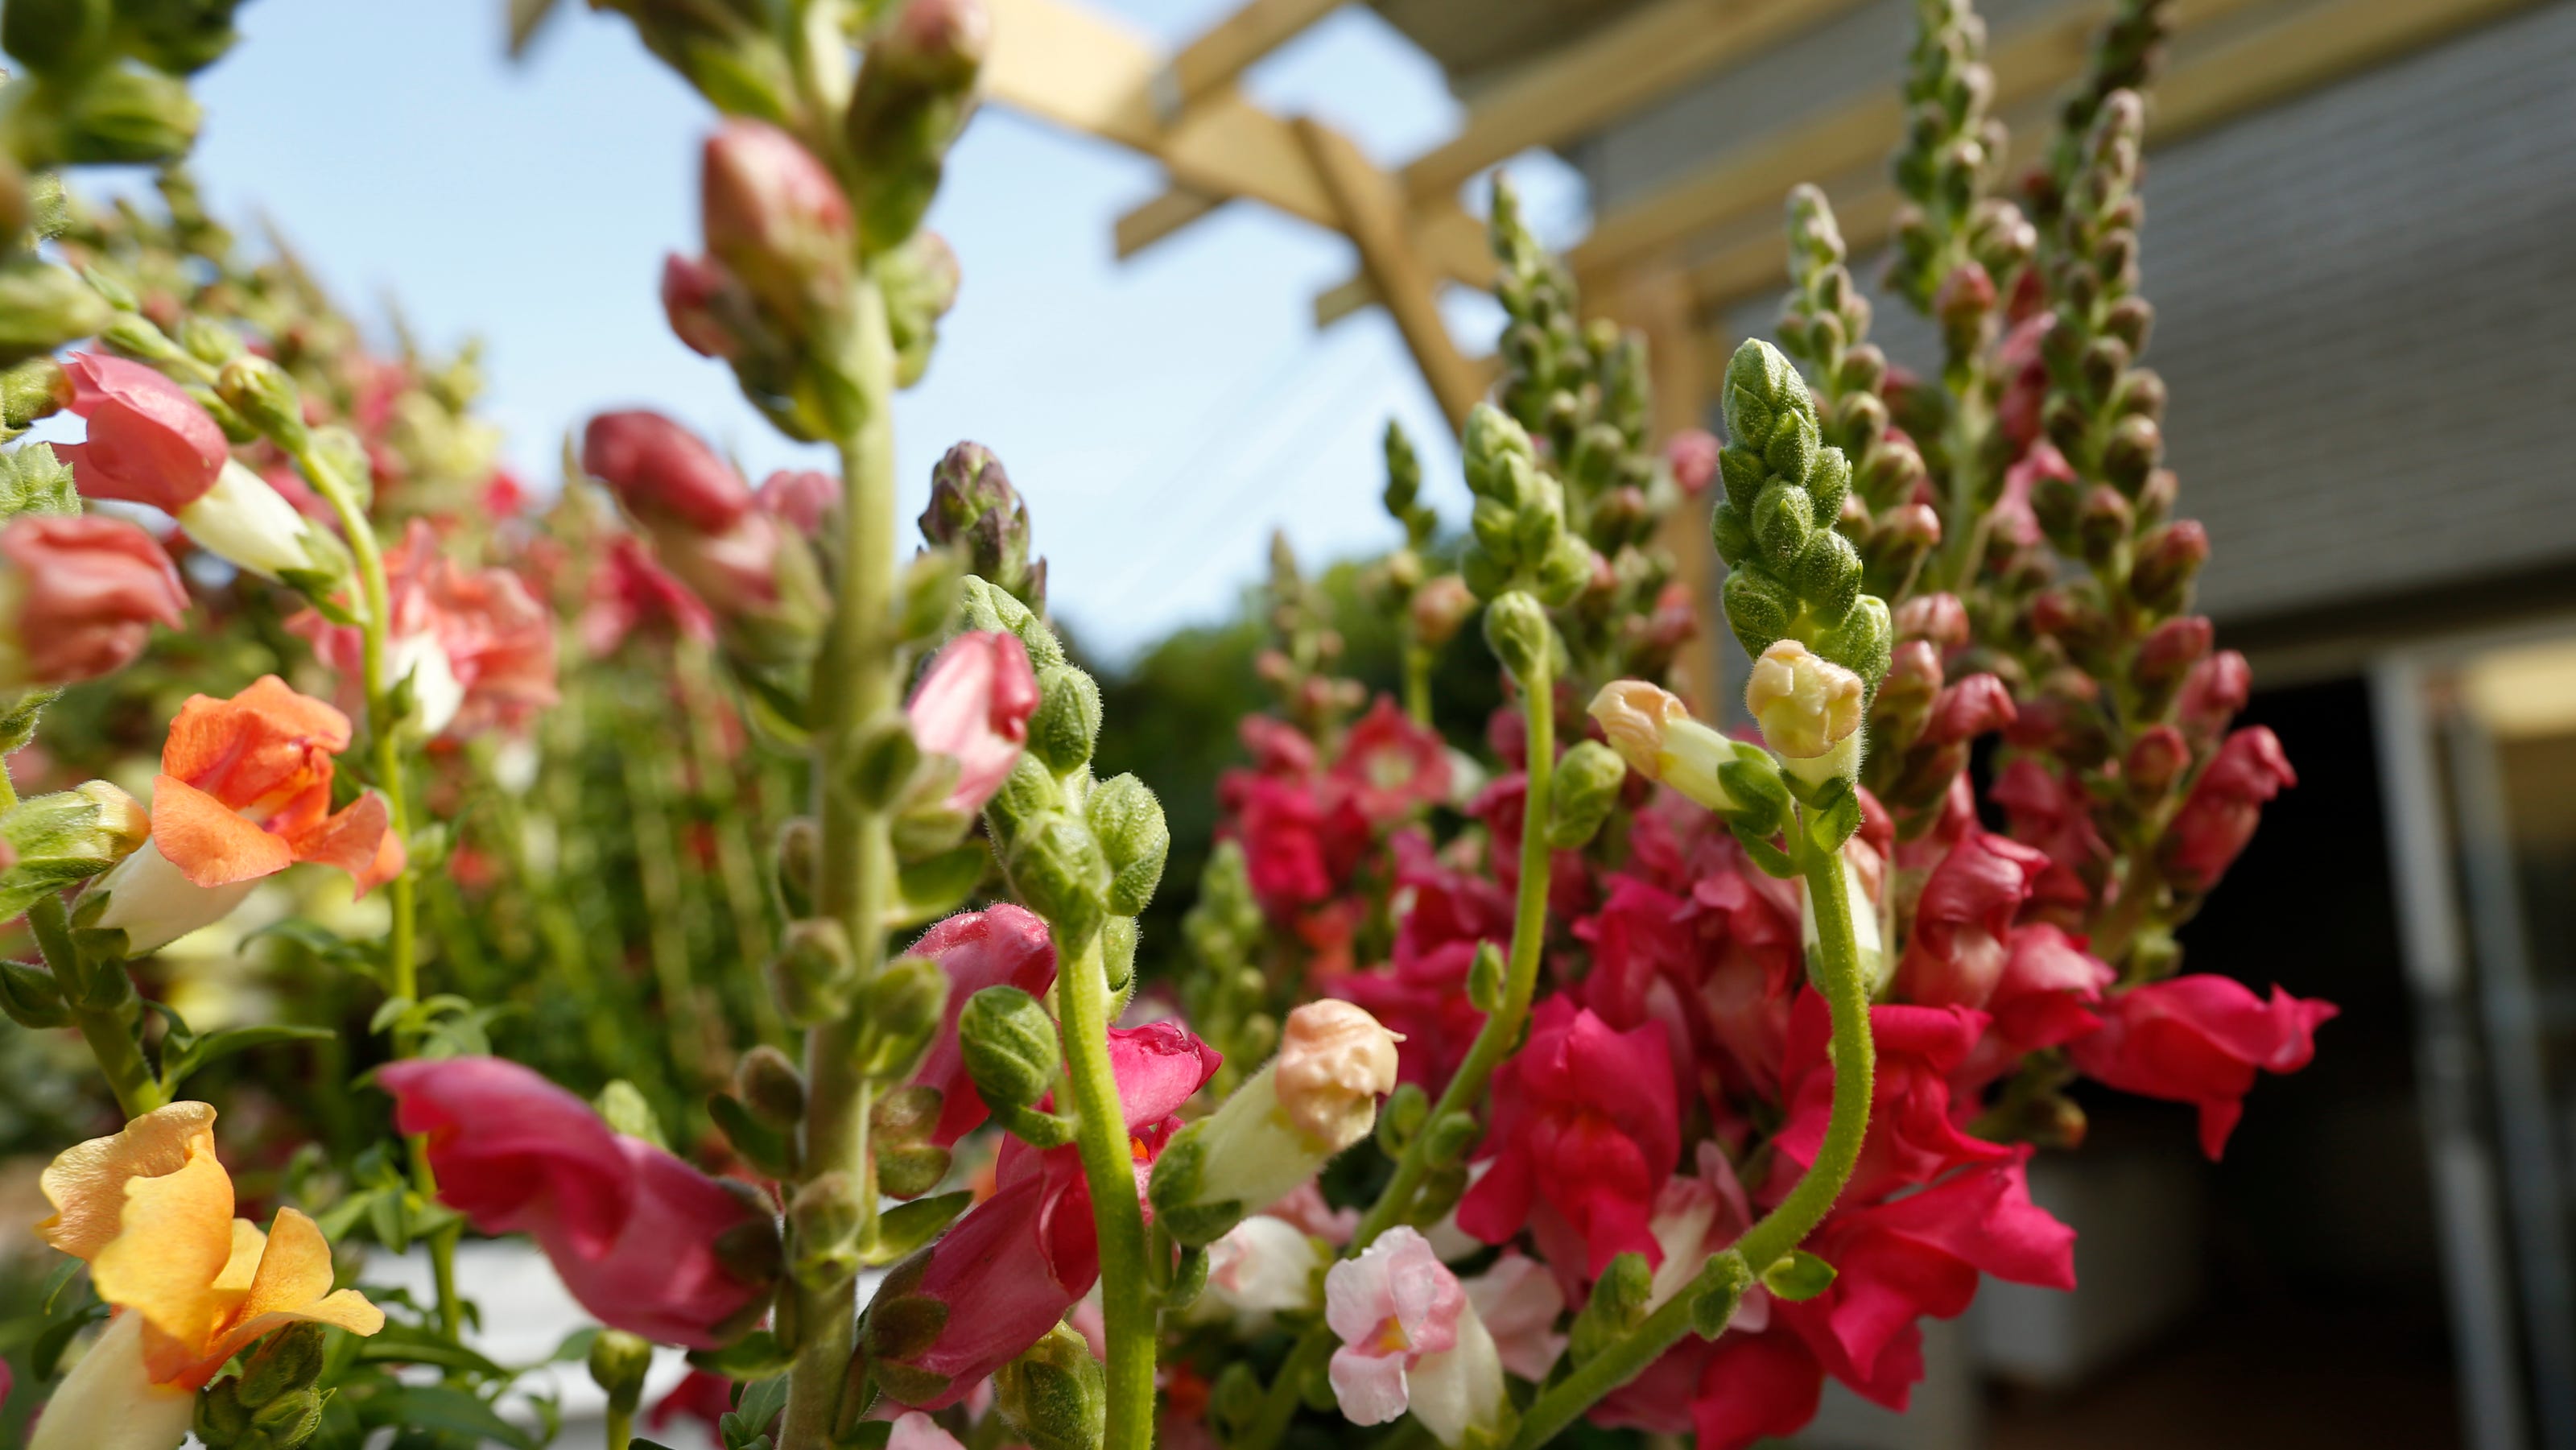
point(1417, 680)
point(621, 1427)
point(110, 1031)
point(1838, 977)
point(1109, 1168)
point(1494, 1041)
point(853, 682)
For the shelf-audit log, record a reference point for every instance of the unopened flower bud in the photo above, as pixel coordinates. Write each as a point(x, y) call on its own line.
point(1904, 701)
point(2102, 525)
point(1691, 454)
point(1517, 630)
point(915, 89)
point(1809, 708)
point(823, 1224)
point(1067, 722)
point(2130, 454)
point(813, 971)
point(2166, 656)
point(1128, 823)
point(905, 1003)
point(1939, 619)
point(800, 848)
point(973, 507)
point(265, 397)
point(1440, 607)
point(79, 595)
point(771, 1086)
point(1010, 1047)
point(126, 115)
point(618, 1363)
point(695, 293)
point(44, 307)
point(2167, 561)
point(1905, 535)
point(1055, 1395)
point(1316, 1098)
point(2157, 758)
point(2212, 694)
point(35, 389)
point(1763, 391)
point(776, 219)
point(31, 997)
point(1581, 793)
point(919, 280)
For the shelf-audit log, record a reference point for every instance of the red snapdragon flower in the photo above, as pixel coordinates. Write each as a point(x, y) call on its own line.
point(1391, 766)
point(2224, 807)
point(1002, 945)
point(82, 594)
point(645, 1242)
point(1912, 1137)
point(1421, 993)
point(630, 591)
point(2051, 812)
point(1008, 1271)
point(1962, 920)
point(2198, 1039)
point(1585, 1119)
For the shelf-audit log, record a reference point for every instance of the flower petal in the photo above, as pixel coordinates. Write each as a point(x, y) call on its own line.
point(86, 1182)
point(210, 844)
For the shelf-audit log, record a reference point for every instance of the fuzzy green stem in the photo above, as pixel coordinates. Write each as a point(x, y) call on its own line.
point(1417, 680)
point(1494, 1041)
point(1839, 978)
point(621, 1427)
point(110, 1033)
point(853, 681)
point(1108, 1167)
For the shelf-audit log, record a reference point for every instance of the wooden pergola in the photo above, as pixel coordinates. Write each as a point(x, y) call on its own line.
point(1664, 262)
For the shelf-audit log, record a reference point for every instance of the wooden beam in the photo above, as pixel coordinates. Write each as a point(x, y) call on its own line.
point(1232, 46)
point(1372, 213)
point(2312, 47)
point(1165, 214)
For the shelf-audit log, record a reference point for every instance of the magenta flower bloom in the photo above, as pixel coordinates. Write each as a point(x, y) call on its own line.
point(973, 705)
point(645, 1242)
point(149, 442)
point(1391, 766)
point(1956, 953)
point(2224, 807)
point(2198, 1039)
point(84, 593)
point(1585, 1118)
point(1912, 1136)
point(663, 472)
point(800, 496)
point(1011, 1268)
point(1002, 945)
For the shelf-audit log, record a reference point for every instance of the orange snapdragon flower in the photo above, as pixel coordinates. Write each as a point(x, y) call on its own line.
point(244, 792)
point(151, 1210)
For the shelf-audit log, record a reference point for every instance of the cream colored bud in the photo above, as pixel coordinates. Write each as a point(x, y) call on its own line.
point(1653, 731)
point(1807, 704)
point(1335, 1062)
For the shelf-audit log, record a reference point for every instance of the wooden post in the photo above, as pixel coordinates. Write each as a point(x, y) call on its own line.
point(1373, 216)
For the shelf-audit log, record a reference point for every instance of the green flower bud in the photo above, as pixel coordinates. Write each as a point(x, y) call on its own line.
point(1517, 631)
point(1055, 1395)
point(813, 971)
point(1485, 977)
point(1763, 389)
point(125, 114)
point(1063, 877)
point(824, 1220)
point(771, 1086)
point(973, 507)
point(1010, 1047)
point(618, 1363)
point(44, 307)
point(800, 846)
point(904, 1006)
point(919, 279)
point(1067, 719)
point(909, 1170)
point(34, 389)
point(915, 89)
point(882, 762)
point(55, 36)
point(1783, 516)
point(265, 397)
point(30, 996)
point(1118, 954)
point(1758, 606)
point(1128, 823)
point(1584, 788)
point(1862, 642)
point(1027, 797)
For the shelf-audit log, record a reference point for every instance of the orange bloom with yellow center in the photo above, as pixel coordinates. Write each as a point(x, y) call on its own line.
point(245, 792)
point(151, 1209)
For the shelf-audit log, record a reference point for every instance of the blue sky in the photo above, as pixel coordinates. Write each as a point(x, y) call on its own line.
point(1162, 415)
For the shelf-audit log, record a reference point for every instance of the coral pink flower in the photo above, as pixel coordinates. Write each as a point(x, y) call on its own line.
point(772, 213)
point(1585, 1118)
point(1912, 1138)
point(645, 1242)
point(1393, 1307)
point(803, 497)
point(629, 591)
point(244, 792)
point(973, 705)
point(149, 442)
point(1306, 1210)
point(82, 594)
point(1699, 1214)
point(478, 648)
point(1002, 945)
point(692, 289)
point(2224, 807)
point(1956, 952)
point(1007, 1271)
point(1391, 765)
point(2198, 1039)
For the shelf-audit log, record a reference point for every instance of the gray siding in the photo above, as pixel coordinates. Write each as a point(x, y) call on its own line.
point(2366, 303)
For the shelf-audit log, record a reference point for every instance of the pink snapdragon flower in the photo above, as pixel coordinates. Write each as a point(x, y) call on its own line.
point(2198, 1039)
point(80, 596)
point(1519, 1301)
point(149, 442)
point(478, 648)
point(1002, 945)
point(973, 705)
point(1410, 1340)
point(1015, 1263)
point(645, 1242)
point(1913, 1136)
point(629, 591)
point(1392, 766)
point(2225, 805)
point(1963, 920)
point(1586, 1120)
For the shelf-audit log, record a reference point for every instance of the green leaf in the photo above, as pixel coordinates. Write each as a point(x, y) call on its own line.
point(1799, 1277)
point(388, 1219)
point(59, 1280)
point(438, 1407)
point(903, 1229)
point(399, 1343)
point(387, 1015)
point(756, 1356)
point(227, 1041)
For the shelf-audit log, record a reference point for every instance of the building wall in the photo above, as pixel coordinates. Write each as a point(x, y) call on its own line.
point(2364, 300)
